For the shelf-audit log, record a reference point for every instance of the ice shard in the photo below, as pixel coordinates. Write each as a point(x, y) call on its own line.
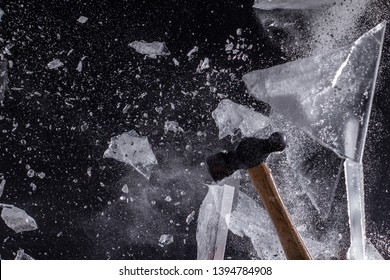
point(152, 49)
point(329, 96)
point(2, 184)
point(3, 79)
point(321, 94)
point(21, 255)
point(291, 4)
point(17, 219)
point(132, 149)
point(230, 116)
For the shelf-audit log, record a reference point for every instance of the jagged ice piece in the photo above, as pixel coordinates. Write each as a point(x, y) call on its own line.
point(152, 49)
point(17, 219)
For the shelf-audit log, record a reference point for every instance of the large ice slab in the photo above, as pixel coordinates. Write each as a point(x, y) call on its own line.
point(134, 150)
point(230, 116)
point(17, 219)
point(290, 4)
point(321, 94)
point(152, 49)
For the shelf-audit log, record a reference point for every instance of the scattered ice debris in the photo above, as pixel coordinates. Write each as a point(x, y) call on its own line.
point(55, 64)
point(159, 109)
point(89, 171)
point(33, 186)
point(31, 173)
point(80, 66)
point(21, 255)
point(290, 4)
point(126, 108)
point(152, 49)
point(165, 240)
point(172, 126)
point(82, 19)
point(41, 175)
point(190, 217)
point(203, 65)
point(125, 188)
point(2, 184)
point(191, 53)
point(17, 219)
point(132, 149)
point(230, 116)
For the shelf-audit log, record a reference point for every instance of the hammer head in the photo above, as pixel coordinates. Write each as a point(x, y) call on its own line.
point(250, 152)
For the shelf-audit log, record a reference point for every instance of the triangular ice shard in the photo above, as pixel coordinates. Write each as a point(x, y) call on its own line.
point(325, 94)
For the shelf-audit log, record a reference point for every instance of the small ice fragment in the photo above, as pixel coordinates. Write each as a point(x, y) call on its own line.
point(165, 240)
point(152, 49)
point(59, 234)
point(30, 173)
point(2, 184)
point(1, 14)
point(230, 116)
point(55, 64)
point(176, 62)
point(33, 186)
point(190, 217)
point(239, 31)
point(203, 65)
point(134, 150)
point(125, 189)
point(17, 219)
point(82, 19)
point(190, 54)
point(168, 198)
point(172, 126)
point(125, 109)
point(80, 66)
point(21, 255)
point(159, 109)
point(89, 171)
point(41, 175)
point(3, 79)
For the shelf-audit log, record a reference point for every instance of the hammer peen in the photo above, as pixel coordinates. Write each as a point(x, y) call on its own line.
point(251, 154)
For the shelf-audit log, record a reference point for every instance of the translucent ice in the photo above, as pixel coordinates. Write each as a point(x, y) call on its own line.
point(2, 184)
point(17, 219)
point(3, 78)
point(55, 64)
point(165, 240)
point(21, 255)
point(321, 94)
point(152, 49)
point(290, 4)
point(132, 149)
point(82, 19)
point(1, 14)
point(190, 217)
point(230, 116)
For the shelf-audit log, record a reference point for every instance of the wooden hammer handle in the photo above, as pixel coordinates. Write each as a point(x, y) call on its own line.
point(292, 244)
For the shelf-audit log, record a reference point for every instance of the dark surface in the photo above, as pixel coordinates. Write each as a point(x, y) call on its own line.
point(72, 209)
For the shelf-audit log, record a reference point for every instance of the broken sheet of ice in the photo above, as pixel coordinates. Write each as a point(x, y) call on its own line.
point(2, 184)
point(132, 149)
point(82, 19)
point(3, 79)
point(17, 219)
point(321, 94)
point(290, 4)
point(152, 49)
point(165, 240)
point(55, 64)
point(230, 116)
point(21, 255)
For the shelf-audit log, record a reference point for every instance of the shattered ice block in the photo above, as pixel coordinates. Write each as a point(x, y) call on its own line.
point(321, 94)
point(3, 79)
point(291, 4)
point(134, 150)
point(230, 116)
point(152, 49)
point(21, 255)
point(55, 64)
point(17, 219)
point(165, 240)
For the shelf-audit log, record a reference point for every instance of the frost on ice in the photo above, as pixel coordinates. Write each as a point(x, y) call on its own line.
point(290, 4)
point(134, 150)
point(230, 116)
point(55, 64)
point(152, 49)
point(17, 219)
point(165, 240)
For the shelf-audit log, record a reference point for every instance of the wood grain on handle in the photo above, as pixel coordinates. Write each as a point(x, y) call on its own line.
point(291, 241)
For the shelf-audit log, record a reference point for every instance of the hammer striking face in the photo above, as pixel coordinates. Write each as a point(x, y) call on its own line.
point(250, 152)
